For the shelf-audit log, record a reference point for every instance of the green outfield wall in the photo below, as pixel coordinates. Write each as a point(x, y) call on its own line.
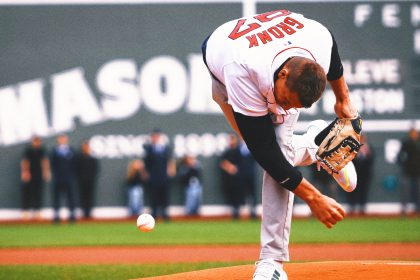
point(111, 71)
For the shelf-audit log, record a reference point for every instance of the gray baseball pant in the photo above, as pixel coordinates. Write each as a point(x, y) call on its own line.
point(277, 202)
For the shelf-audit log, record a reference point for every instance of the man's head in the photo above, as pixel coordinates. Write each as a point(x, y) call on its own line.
point(62, 139)
point(85, 147)
point(299, 83)
point(155, 136)
point(413, 134)
point(233, 141)
point(36, 142)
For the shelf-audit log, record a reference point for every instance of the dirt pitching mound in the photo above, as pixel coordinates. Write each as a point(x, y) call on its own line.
point(372, 270)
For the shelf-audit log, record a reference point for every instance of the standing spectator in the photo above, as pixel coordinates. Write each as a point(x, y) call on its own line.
point(409, 159)
point(229, 164)
point(87, 169)
point(324, 181)
point(63, 173)
point(35, 171)
point(160, 167)
point(363, 163)
point(247, 178)
point(190, 175)
point(136, 178)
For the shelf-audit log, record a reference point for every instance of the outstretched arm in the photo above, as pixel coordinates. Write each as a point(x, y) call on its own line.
point(343, 106)
point(258, 134)
point(228, 112)
point(324, 208)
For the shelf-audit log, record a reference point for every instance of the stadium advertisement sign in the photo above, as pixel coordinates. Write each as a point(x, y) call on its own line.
point(111, 71)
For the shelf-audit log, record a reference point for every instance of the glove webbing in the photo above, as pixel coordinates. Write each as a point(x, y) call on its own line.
point(349, 142)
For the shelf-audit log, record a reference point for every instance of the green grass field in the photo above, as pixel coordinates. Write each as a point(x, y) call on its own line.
point(177, 233)
point(204, 232)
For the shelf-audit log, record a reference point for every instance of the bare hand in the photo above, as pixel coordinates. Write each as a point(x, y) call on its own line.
point(46, 176)
point(25, 177)
point(345, 109)
point(229, 167)
point(232, 170)
point(327, 210)
point(324, 208)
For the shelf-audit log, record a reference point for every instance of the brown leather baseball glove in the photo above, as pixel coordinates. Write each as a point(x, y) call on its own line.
point(340, 145)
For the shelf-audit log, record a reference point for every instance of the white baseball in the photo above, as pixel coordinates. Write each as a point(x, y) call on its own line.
point(145, 222)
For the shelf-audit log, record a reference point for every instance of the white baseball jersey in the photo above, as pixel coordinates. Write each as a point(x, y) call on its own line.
point(243, 54)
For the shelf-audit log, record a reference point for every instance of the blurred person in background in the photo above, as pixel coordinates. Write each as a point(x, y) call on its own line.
point(35, 171)
point(247, 178)
point(364, 163)
point(229, 166)
point(135, 181)
point(190, 175)
point(87, 170)
point(325, 182)
point(409, 160)
point(63, 177)
point(161, 169)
